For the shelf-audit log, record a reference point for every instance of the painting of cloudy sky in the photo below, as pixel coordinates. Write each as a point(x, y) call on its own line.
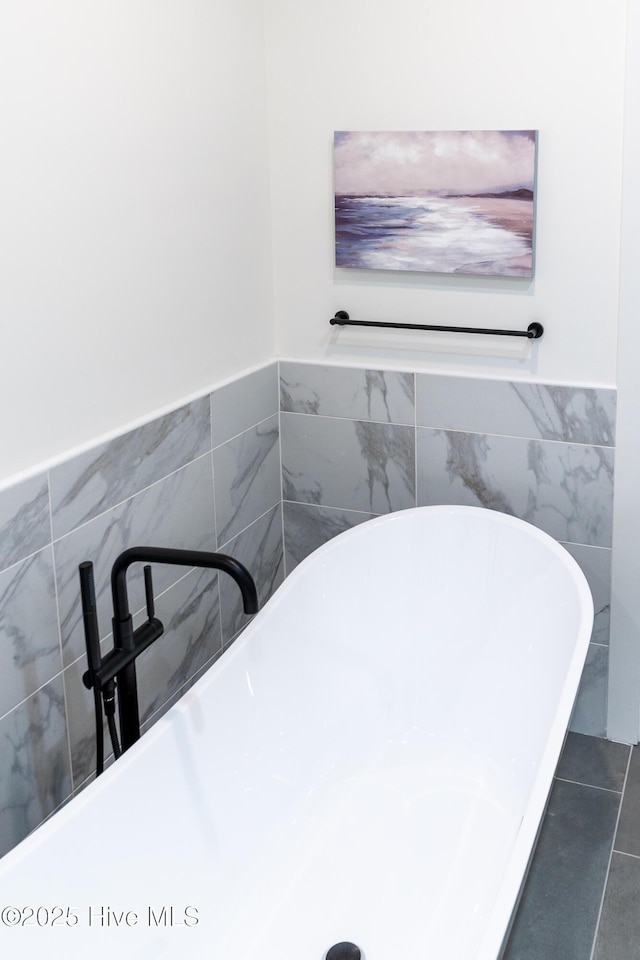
point(436, 202)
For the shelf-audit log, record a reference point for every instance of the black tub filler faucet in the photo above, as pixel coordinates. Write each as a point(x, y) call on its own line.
point(116, 671)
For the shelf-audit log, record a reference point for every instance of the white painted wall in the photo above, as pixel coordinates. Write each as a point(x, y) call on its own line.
point(134, 224)
point(411, 65)
point(135, 220)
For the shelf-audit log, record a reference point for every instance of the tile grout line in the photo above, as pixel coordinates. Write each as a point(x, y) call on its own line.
point(608, 870)
point(132, 496)
point(623, 853)
point(280, 477)
point(443, 429)
point(323, 506)
point(591, 786)
point(56, 591)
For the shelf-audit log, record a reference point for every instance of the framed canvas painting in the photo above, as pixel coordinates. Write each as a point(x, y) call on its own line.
point(436, 202)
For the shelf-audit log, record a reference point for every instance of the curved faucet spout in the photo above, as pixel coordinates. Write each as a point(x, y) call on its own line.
point(185, 558)
point(119, 664)
point(129, 643)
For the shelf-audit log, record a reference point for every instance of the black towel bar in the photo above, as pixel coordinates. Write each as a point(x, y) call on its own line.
point(533, 332)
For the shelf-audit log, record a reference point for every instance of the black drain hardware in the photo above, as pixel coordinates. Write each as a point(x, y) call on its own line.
point(343, 951)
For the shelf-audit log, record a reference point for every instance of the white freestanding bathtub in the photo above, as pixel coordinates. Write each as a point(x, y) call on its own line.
point(369, 762)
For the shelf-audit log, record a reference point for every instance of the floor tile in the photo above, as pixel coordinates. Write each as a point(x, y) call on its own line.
point(628, 834)
point(593, 761)
point(559, 909)
point(619, 930)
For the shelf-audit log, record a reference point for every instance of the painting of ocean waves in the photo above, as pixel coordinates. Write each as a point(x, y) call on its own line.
point(438, 203)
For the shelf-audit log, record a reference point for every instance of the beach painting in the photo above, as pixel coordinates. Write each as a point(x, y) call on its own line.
point(436, 202)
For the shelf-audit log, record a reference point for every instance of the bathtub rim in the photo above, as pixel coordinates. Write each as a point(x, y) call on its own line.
point(498, 926)
point(496, 934)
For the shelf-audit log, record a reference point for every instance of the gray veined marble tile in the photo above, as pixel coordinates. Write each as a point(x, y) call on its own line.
point(347, 392)
point(24, 519)
point(34, 763)
point(95, 481)
point(247, 477)
point(190, 612)
point(590, 709)
point(565, 489)
point(348, 464)
point(259, 548)
point(307, 527)
point(177, 512)
point(529, 410)
point(243, 403)
point(573, 414)
point(81, 723)
point(29, 637)
point(595, 563)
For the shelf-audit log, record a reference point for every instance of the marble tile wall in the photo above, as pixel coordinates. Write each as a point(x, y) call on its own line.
point(358, 443)
point(206, 476)
point(233, 471)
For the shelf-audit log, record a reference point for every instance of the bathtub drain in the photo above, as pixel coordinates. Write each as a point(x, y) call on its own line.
point(343, 951)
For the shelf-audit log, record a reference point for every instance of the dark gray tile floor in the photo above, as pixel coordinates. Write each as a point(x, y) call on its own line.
point(581, 900)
